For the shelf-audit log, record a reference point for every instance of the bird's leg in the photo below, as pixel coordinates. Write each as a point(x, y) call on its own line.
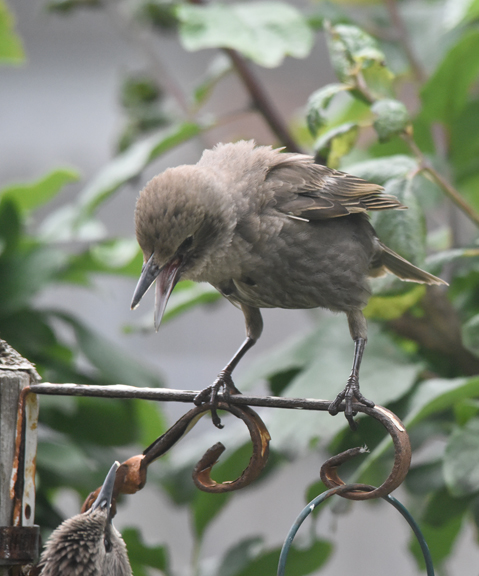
point(358, 328)
point(225, 381)
point(254, 327)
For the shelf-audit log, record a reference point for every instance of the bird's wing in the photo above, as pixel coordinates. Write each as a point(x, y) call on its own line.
point(306, 190)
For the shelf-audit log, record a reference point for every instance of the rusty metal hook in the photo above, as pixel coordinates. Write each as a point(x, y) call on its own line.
point(131, 475)
point(402, 459)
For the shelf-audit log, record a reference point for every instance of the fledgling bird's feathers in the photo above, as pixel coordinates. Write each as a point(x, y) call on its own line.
point(268, 230)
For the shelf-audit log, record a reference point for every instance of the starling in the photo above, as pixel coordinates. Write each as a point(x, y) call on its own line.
point(88, 544)
point(267, 229)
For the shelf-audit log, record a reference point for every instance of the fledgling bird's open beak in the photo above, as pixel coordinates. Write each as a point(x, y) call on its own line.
point(106, 493)
point(166, 279)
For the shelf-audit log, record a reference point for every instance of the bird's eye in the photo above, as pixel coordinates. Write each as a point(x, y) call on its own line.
point(107, 543)
point(186, 244)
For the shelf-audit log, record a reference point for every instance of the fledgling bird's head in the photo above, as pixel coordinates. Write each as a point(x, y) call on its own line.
point(183, 220)
point(88, 544)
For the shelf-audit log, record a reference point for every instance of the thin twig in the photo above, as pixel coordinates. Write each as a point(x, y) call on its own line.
point(261, 100)
point(442, 182)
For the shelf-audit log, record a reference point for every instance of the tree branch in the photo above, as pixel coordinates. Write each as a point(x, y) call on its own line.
point(261, 101)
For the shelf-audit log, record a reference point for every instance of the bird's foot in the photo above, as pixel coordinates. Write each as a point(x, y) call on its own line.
point(350, 394)
point(210, 394)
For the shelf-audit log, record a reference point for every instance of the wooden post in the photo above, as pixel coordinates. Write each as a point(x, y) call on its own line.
point(19, 542)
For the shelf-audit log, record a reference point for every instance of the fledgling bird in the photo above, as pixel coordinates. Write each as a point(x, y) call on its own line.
point(268, 230)
point(88, 544)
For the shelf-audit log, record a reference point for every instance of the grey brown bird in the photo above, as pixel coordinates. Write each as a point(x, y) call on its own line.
point(268, 230)
point(88, 544)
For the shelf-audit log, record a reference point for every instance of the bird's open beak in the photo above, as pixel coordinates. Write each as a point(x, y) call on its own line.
point(166, 279)
point(106, 493)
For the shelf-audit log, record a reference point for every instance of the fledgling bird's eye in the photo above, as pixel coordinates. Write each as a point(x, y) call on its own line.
point(186, 244)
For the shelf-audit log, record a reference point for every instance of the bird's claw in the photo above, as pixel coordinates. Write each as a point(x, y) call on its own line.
point(210, 394)
point(350, 394)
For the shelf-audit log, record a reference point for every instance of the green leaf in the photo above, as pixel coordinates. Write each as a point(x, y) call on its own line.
point(424, 478)
point(352, 51)
point(11, 48)
point(75, 221)
point(459, 68)
point(325, 357)
point(301, 561)
point(461, 460)
point(337, 142)
point(318, 103)
point(120, 256)
point(115, 366)
point(404, 231)
point(440, 540)
point(25, 273)
point(437, 395)
point(10, 225)
point(392, 118)
point(141, 555)
point(265, 32)
point(240, 556)
point(132, 162)
point(206, 508)
point(382, 170)
point(349, 45)
point(98, 421)
point(460, 12)
point(187, 295)
point(392, 307)
point(470, 334)
point(30, 196)
point(465, 142)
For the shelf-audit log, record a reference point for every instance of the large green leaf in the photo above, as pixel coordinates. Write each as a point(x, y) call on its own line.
point(301, 561)
point(115, 366)
point(30, 196)
point(317, 104)
point(404, 231)
point(458, 69)
point(11, 48)
point(266, 32)
point(392, 118)
point(352, 50)
point(337, 142)
point(461, 459)
point(325, 359)
point(25, 273)
point(380, 170)
point(120, 256)
point(141, 555)
point(75, 221)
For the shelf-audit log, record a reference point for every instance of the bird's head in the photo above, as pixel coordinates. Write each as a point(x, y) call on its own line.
point(181, 220)
point(88, 543)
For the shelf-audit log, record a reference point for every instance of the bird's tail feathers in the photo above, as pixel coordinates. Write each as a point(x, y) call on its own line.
point(405, 270)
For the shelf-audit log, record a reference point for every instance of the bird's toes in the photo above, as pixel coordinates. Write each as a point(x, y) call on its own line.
point(203, 396)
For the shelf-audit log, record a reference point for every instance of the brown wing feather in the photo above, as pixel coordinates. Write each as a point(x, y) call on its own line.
point(307, 190)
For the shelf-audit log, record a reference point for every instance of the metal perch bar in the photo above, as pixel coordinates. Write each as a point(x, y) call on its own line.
point(131, 476)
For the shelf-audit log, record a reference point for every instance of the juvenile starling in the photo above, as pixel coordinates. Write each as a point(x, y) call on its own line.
point(267, 230)
point(88, 544)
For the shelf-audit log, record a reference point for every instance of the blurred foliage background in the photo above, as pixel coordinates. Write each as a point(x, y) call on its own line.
point(404, 113)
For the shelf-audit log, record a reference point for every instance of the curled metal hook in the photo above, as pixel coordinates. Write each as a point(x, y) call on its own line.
point(402, 459)
point(131, 475)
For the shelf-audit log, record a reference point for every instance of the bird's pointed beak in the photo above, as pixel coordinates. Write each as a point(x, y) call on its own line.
point(149, 273)
point(165, 282)
point(106, 493)
point(166, 279)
